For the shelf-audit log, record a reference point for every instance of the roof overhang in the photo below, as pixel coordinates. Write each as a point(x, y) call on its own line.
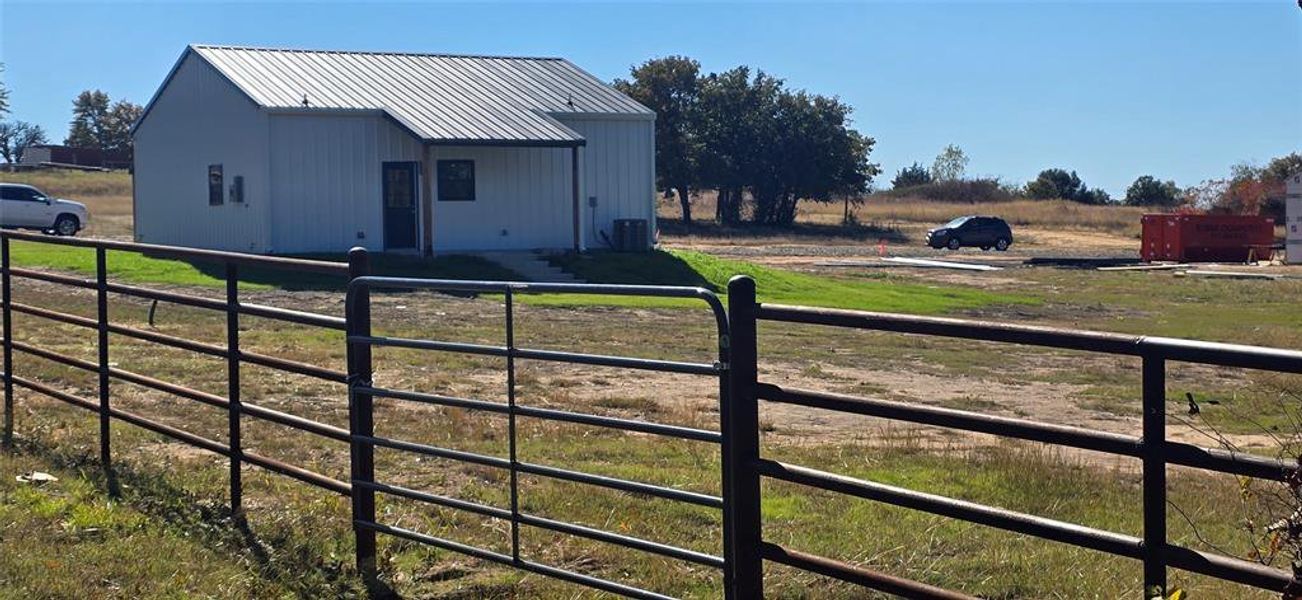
point(508, 143)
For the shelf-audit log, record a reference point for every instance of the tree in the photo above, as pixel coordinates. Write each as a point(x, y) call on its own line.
point(814, 155)
point(1283, 167)
point(670, 86)
point(737, 130)
point(117, 125)
point(90, 115)
point(949, 164)
point(1250, 190)
point(1149, 191)
point(1275, 176)
point(1051, 184)
point(757, 143)
point(18, 136)
point(4, 94)
point(1096, 196)
point(911, 176)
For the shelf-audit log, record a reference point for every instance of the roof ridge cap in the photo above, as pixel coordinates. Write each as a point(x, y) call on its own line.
point(371, 52)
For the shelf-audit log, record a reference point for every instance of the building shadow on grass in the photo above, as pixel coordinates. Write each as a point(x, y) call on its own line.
point(277, 554)
point(456, 266)
point(632, 268)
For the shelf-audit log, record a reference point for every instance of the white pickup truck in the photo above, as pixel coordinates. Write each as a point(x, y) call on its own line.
point(25, 207)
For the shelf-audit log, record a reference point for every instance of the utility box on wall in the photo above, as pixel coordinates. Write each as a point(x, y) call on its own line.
point(1293, 219)
point(1206, 238)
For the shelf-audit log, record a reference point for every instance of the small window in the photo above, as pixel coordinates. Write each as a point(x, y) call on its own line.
point(215, 187)
point(456, 180)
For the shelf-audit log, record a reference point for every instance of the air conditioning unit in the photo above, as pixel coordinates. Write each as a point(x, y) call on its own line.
point(631, 235)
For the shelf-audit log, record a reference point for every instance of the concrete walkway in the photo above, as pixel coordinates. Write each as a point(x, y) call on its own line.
point(531, 266)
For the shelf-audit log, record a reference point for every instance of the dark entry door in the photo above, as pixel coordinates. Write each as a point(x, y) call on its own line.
point(399, 205)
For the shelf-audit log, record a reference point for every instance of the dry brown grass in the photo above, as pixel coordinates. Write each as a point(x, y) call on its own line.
point(1050, 214)
point(106, 195)
point(889, 213)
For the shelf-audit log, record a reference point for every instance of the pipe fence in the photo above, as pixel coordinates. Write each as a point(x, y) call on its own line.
point(745, 550)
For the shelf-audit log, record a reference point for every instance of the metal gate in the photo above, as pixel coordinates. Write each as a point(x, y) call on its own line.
point(365, 484)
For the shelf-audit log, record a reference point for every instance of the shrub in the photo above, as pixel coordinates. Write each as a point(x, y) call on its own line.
point(911, 176)
point(1149, 191)
point(970, 191)
point(1051, 184)
point(1095, 196)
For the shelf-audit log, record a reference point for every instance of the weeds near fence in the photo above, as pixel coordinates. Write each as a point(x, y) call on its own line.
point(1271, 523)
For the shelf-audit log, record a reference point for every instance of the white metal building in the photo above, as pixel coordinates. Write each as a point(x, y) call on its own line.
point(292, 151)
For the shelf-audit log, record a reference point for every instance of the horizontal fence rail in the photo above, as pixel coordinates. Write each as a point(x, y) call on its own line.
point(363, 391)
point(1152, 448)
point(233, 356)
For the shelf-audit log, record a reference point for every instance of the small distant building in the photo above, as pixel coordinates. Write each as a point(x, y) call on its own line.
point(292, 151)
point(51, 155)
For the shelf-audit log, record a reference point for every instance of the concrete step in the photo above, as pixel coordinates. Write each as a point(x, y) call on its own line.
point(531, 266)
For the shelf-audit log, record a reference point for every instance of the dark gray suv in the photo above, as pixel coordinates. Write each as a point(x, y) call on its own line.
point(972, 231)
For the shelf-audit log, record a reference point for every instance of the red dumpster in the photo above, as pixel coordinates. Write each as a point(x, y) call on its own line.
point(1206, 238)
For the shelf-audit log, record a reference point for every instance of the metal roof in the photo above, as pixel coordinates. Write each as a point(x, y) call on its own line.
point(439, 98)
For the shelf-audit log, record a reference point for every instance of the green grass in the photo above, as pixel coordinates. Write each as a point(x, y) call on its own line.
point(683, 268)
point(1161, 303)
point(697, 269)
point(73, 538)
point(138, 268)
point(169, 519)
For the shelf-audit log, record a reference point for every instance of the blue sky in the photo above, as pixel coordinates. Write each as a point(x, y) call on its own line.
point(1113, 90)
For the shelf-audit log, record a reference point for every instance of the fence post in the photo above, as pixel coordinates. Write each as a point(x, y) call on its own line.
point(511, 426)
point(233, 385)
point(8, 333)
point(102, 317)
point(739, 422)
point(1154, 481)
point(360, 418)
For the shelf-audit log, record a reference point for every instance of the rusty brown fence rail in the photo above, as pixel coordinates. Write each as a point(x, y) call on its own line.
point(1155, 452)
point(231, 352)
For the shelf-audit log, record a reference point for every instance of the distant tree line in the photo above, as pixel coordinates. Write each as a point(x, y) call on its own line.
point(1248, 190)
point(946, 180)
point(96, 123)
point(762, 146)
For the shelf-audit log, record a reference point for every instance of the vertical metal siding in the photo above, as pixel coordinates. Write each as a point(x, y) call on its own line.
point(619, 169)
point(325, 179)
point(198, 120)
point(525, 191)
